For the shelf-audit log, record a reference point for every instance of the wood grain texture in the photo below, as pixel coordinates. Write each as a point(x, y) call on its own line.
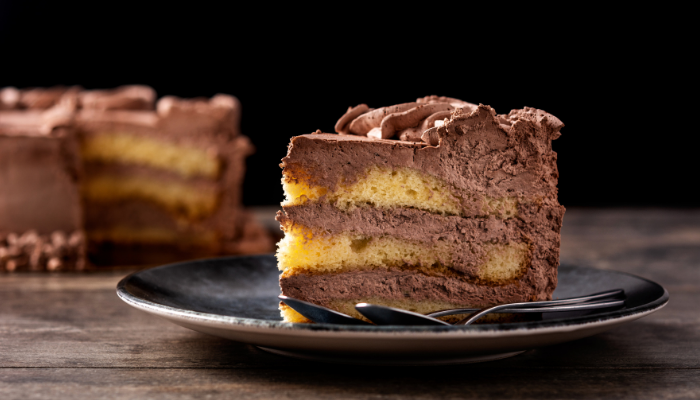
point(69, 336)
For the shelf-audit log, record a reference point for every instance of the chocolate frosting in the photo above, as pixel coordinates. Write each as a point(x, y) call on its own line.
point(35, 98)
point(130, 97)
point(394, 283)
point(53, 121)
point(131, 106)
point(9, 98)
point(220, 114)
point(538, 226)
point(408, 121)
point(477, 152)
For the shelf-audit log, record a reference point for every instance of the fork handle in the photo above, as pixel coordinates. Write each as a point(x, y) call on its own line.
point(569, 301)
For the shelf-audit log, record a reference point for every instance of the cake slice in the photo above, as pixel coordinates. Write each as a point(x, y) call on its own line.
point(423, 206)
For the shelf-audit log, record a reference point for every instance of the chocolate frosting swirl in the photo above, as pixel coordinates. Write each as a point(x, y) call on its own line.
point(130, 97)
point(412, 122)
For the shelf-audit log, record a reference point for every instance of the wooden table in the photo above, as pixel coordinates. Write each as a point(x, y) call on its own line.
point(69, 336)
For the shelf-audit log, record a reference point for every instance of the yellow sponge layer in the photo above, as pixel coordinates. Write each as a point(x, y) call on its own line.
point(303, 251)
point(289, 315)
point(504, 207)
point(177, 197)
point(400, 187)
point(129, 149)
point(504, 262)
point(380, 187)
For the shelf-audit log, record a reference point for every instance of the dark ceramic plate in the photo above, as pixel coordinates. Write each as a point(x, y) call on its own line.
point(236, 298)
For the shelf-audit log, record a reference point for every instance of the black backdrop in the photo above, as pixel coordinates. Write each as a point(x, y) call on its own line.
point(615, 79)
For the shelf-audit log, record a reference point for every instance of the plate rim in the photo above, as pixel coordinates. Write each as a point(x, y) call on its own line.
point(486, 330)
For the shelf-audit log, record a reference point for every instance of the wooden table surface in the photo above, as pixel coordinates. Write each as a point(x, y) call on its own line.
point(69, 336)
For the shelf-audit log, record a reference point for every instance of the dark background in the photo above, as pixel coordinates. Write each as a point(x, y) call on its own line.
point(616, 79)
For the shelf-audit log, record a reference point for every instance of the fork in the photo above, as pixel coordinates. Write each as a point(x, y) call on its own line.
point(382, 315)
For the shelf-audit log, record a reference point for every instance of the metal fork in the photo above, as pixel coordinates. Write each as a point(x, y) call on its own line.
point(382, 315)
point(570, 304)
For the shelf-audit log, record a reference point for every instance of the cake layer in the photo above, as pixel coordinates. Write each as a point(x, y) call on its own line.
point(390, 285)
point(418, 225)
point(183, 204)
point(466, 238)
point(180, 198)
point(400, 187)
point(120, 223)
point(478, 154)
point(132, 213)
point(126, 217)
point(303, 251)
point(125, 148)
point(154, 236)
point(116, 246)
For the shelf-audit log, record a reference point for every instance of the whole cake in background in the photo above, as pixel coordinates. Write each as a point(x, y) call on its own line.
point(114, 177)
point(423, 206)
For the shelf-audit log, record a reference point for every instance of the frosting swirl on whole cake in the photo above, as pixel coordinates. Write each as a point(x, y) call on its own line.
point(413, 122)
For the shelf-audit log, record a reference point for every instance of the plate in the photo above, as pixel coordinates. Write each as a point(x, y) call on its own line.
point(236, 298)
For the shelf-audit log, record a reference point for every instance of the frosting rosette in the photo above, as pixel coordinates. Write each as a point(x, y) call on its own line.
point(412, 122)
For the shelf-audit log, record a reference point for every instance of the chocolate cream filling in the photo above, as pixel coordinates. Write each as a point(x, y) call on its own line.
point(397, 284)
point(539, 227)
point(239, 234)
point(137, 214)
point(125, 171)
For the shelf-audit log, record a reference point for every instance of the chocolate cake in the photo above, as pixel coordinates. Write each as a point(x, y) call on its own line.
point(41, 222)
point(423, 206)
point(141, 182)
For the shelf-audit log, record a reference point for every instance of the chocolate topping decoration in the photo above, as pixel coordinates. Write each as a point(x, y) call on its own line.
point(43, 98)
point(363, 124)
point(220, 113)
point(456, 103)
point(407, 121)
point(131, 97)
point(34, 252)
point(430, 136)
point(400, 121)
point(352, 113)
point(9, 97)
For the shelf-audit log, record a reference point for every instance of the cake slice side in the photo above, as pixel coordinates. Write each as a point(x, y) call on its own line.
point(469, 219)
